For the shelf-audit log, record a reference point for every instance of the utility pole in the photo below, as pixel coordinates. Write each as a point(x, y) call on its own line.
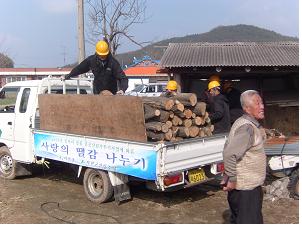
point(81, 39)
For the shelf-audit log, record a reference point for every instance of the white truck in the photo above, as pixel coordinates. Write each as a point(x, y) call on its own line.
point(105, 162)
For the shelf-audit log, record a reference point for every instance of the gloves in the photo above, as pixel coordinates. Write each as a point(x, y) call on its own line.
point(120, 92)
point(64, 77)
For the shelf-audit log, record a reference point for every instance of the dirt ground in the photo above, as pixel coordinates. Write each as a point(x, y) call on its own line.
point(54, 198)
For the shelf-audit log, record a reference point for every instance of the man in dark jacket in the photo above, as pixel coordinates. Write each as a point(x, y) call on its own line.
point(219, 115)
point(233, 95)
point(108, 74)
point(206, 96)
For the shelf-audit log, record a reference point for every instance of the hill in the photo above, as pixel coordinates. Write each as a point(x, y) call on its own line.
point(233, 33)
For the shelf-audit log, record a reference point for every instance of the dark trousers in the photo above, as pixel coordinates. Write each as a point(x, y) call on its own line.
point(246, 206)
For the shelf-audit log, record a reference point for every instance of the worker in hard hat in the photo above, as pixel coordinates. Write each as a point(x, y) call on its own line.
point(233, 96)
point(205, 95)
point(171, 89)
point(108, 74)
point(219, 113)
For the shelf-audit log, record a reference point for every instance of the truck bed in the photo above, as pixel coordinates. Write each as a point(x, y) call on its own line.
point(146, 160)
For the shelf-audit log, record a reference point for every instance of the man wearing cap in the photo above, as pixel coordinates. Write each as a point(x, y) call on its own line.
point(219, 113)
point(108, 74)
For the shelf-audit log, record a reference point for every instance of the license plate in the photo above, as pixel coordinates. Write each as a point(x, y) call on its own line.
point(196, 176)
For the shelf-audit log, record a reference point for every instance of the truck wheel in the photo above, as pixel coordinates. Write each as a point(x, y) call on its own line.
point(293, 185)
point(97, 185)
point(7, 164)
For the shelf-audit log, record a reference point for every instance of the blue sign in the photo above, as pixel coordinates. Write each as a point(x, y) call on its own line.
point(126, 158)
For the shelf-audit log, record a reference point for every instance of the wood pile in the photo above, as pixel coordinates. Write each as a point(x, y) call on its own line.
point(273, 133)
point(176, 118)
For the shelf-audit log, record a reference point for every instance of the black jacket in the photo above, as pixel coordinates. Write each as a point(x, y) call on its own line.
point(108, 74)
point(220, 115)
point(234, 103)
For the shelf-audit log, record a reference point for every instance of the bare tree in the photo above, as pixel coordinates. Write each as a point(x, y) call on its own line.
point(6, 62)
point(112, 20)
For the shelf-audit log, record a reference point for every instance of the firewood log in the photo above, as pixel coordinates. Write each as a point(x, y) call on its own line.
point(175, 130)
point(187, 123)
point(183, 132)
point(207, 131)
point(200, 108)
point(198, 121)
point(169, 124)
point(187, 99)
point(201, 133)
point(168, 135)
point(164, 116)
point(166, 126)
point(193, 131)
point(150, 112)
point(178, 106)
point(158, 136)
point(188, 113)
point(176, 121)
point(159, 102)
point(106, 93)
point(154, 126)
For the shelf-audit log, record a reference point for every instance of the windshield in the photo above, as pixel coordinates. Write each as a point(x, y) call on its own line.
point(138, 88)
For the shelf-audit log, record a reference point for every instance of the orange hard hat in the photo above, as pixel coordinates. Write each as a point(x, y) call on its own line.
point(214, 78)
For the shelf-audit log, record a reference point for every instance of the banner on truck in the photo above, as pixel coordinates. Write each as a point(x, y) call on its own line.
point(122, 157)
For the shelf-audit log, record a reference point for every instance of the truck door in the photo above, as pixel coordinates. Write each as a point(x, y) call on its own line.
point(26, 105)
point(8, 97)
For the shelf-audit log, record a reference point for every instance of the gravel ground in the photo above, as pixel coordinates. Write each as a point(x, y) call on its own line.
point(54, 198)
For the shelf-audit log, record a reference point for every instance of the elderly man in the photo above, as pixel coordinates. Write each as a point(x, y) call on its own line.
point(245, 162)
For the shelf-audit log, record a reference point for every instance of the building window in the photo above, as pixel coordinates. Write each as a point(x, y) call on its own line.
point(15, 78)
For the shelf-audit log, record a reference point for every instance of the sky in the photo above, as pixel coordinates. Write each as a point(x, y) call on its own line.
point(43, 33)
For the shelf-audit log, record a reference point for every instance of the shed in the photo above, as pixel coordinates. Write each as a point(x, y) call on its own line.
point(272, 68)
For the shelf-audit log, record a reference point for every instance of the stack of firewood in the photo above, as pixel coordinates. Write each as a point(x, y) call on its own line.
point(273, 133)
point(176, 118)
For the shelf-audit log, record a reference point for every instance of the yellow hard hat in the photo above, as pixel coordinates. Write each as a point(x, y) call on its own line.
point(172, 85)
point(214, 78)
point(102, 48)
point(213, 84)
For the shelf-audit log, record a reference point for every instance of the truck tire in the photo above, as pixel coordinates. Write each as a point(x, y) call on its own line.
point(97, 185)
point(293, 185)
point(7, 164)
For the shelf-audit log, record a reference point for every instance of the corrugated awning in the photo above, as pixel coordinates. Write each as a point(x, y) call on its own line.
point(231, 54)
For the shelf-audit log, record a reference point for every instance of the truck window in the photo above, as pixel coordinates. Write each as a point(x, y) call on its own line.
point(161, 88)
point(8, 99)
point(150, 89)
point(24, 100)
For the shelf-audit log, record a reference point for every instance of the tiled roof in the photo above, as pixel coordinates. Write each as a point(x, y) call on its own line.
point(34, 71)
point(231, 54)
point(144, 70)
